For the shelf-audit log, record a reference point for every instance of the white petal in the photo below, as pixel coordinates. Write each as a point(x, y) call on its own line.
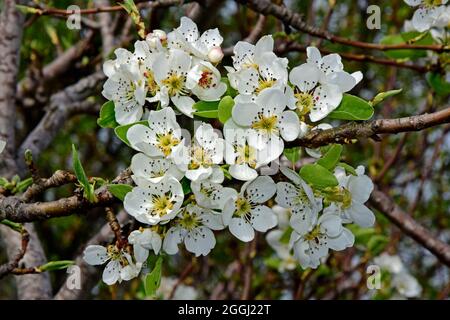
point(265, 44)
point(360, 188)
point(200, 241)
point(289, 125)
point(260, 190)
point(111, 274)
point(173, 238)
point(304, 77)
point(313, 55)
point(188, 29)
point(330, 224)
point(95, 255)
point(345, 239)
point(242, 172)
point(184, 104)
point(263, 218)
point(245, 113)
point(361, 215)
point(272, 99)
point(241, 229)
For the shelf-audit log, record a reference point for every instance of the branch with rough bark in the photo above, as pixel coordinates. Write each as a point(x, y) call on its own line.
point(370, 129)
point(382, 202)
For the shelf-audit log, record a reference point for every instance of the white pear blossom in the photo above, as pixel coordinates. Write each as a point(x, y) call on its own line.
point(188, 38)
point(204, 80)
point(161, 138)
point(349, 199)
point(256, 67)
point(144, 240)
point(205, 153)
point(430, 13)
point(209, 193)
point(153, 169)
point(407, 285)
point(170, 73)
point(120, 265)
point(300, 198)
point(193, 226)
point(319, 85)
point(153, 203)
point(248, 212)
point(157, 39)
point(267, 122)
point(321, 235)
point(243, 158)
point(392, 263)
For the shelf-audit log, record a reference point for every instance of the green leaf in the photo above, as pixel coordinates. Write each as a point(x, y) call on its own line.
point(232, 92)
point(318, 176)
point(377, 243)
point(425, 39)
point(121, 131)
point(383, 96)
point(206, 105)
point(153, 279)
point(348, 168)
point(26, 9)
point(119, 190)
point(13, 225)
point(331, 157)
point(352, 108)
point(210, 114)
point(107, 117)
point(23, 185)
point(88, 189)
point(293, 154)
point(438, 83)
point(225, 108)
point(56, 265)
point(186, 185)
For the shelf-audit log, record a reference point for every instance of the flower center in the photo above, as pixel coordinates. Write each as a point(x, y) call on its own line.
point(166, 142)
point(243, 207)
point(246, 154)
point(206, 79)
point(305, 102)
point(264, 84)
point(431, 3)
point(189, 221)
point(314, 235)
point(199, 157)
point(266, 123)
point(161, 204)
point(340, 195)
point(174, 83)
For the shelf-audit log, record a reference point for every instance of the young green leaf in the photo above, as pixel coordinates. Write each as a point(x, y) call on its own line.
point(225, 108)
point(438, 83)
point(232, 92)
point(209, 114)
point(119, 190)
point(383, 96)
point(56, 265)
point(121, 131)
point(206, 106)
point(88, 189)
point(348, 168)
point(318, 176)
point(293, 154)
point(153, 279)
point(352, 108)
point(23, 185)
point(331, 157)
point(107, 117)
point(423, 39)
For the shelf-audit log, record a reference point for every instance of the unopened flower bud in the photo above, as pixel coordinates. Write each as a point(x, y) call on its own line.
point(215, 55)
point(155, 37)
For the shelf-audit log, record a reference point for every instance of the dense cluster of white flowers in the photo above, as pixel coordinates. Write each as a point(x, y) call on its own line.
point(181, 195)
point(430, 14)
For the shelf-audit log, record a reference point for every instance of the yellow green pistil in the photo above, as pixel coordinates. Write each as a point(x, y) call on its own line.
point(206, 79)
point(114, 253)
point(243, 207)
point(305, 102)
point(432, 3)
point(174, 83)
point(151, 83)
point(166, 142)
point(268, 124)
point(264, 84)
point(200, 157)
point(246, 155)
point(161, 204)
point(314, 234)
point(340, 195)
point(189, 221)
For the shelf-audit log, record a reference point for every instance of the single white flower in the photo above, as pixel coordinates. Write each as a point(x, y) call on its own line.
point(300, 198)
point(431, 13)
point(162, 137)
point(248, 212)
point(349, 198)
point(267, 122)
point(204, 80)
point(205, 153)
point(243, 158)
point(144, 240)
point(153, 203)
point(210, 193)
point(153, 169)
point(187, 37)
point(120, 265)
point(193, 226)
point(170, 72)
point(407, 285)
point(274, 239)
point(2, 145)
point(256, 67)
point(322, 234)
point(392, 263)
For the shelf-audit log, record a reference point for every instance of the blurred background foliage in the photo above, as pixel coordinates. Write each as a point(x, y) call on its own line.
point(419, 179)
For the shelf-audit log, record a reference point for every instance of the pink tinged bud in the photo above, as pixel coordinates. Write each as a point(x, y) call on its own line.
point(160, 34)
point(155, 37)
point(215, 55)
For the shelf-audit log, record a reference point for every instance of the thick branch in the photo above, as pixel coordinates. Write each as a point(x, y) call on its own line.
point(409, 226)
point(295, 20)
point(356, 130)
